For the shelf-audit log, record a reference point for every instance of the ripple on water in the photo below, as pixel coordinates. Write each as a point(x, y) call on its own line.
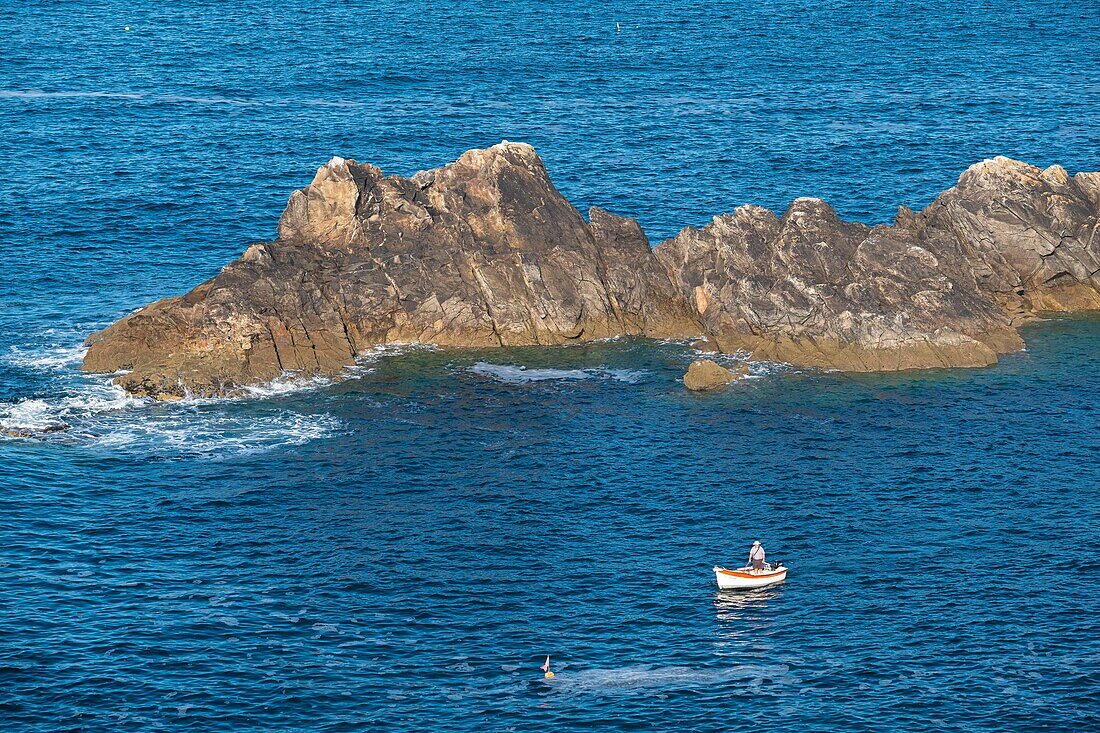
point(400, 551)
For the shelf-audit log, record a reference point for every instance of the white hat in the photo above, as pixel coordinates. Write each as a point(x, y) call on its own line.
point(756, 543)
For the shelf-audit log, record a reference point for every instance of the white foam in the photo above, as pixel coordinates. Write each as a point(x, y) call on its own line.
point(761, 369)
point(680, 342)
point(757, 369)
point(44, 414)
point(629, 376)
point(207, 432)
point(100, 414)
point(288, 383)
point(394, 349)
point(34, 415)
point(91, 410)
point(295, 382)
point(519, 374)
point(49, 358)
point(514, 374)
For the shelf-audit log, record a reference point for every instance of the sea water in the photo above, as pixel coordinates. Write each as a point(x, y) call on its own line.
point(400, 549)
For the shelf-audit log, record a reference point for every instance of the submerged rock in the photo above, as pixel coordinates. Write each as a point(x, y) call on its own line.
point(23, 431)
point(486, 252)
point(705, 374)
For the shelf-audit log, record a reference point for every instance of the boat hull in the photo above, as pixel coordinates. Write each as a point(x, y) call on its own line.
point(745, 579)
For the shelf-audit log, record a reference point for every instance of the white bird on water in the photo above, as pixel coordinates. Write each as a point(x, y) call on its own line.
point(547, 674)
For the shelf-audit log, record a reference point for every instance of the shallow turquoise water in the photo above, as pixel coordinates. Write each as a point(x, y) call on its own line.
point(399, 550)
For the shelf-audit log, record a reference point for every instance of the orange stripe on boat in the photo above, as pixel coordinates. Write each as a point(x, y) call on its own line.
point(736, 574)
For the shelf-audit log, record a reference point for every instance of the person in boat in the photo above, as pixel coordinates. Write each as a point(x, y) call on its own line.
point(756, 557)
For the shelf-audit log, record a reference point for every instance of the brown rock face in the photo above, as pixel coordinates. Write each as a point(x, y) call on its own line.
point(486, 252)
point(943, 288)
point(705, 374)
point(1031, 236)
point(810, 289)
point(481, 252)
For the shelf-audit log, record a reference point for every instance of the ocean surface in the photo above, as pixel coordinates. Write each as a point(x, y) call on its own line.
point(399, 550)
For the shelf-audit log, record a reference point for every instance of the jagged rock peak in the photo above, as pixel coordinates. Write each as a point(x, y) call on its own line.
point(483, 251)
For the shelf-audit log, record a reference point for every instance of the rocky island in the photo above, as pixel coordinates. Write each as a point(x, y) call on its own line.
point(486, 252)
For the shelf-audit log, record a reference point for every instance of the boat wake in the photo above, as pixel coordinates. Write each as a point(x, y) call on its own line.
point(647, 678)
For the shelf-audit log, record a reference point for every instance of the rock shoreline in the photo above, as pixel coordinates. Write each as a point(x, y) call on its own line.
point(485, 251)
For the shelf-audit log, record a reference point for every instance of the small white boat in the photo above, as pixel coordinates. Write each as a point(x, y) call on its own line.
point(746, 578)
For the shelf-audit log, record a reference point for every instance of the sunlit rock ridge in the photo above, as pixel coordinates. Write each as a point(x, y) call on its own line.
point(485, 252)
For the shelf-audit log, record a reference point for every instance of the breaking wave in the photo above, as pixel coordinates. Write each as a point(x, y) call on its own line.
point(103, 416)
point(90, 410)
point(64, 411)
point(82, 409)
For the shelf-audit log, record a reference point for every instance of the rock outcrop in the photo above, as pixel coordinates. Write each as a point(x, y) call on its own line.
point(706, 374)
point(1031, 237)
point(810, 289)
point(486, 252)
point(943, 288)
point(481, 252)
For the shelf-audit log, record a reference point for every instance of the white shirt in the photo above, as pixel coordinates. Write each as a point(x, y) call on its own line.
point(757, 553)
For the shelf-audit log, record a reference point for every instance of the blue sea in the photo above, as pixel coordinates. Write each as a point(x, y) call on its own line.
point(400, 550)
